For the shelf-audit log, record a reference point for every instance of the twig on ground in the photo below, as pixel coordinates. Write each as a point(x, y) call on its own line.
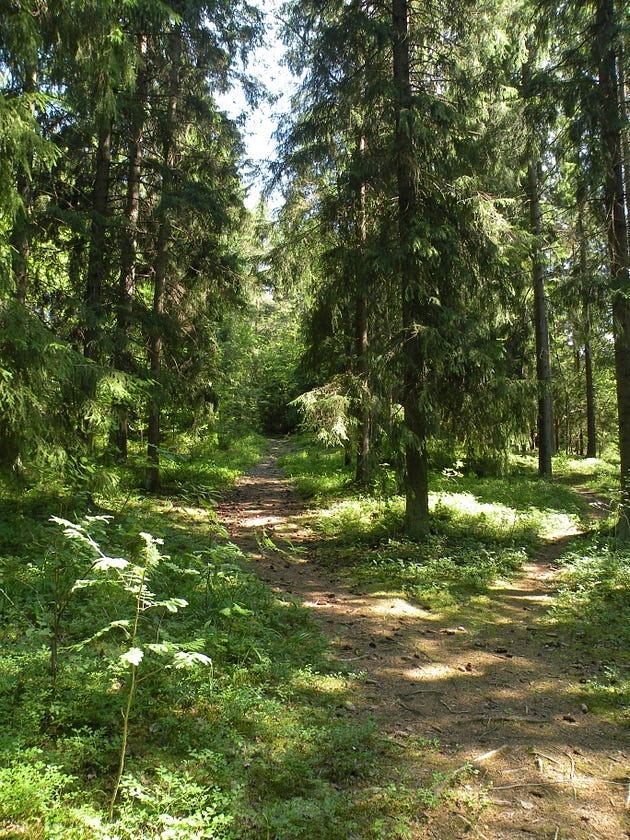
point(408, 708)
point(544, 755)
point(530, 785)
point(423, 691)
point(352, 658)
point(491, 754)
point(501, 719)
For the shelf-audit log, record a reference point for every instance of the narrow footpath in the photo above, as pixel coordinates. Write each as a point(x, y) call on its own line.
point(499, 692)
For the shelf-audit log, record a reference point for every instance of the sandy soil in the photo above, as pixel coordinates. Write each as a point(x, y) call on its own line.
point(500, 692)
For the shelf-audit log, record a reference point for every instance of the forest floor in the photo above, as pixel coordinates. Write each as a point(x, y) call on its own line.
point(497, 691)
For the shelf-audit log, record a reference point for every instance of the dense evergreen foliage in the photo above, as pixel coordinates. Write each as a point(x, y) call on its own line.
point(430, 169)
point(444, 290)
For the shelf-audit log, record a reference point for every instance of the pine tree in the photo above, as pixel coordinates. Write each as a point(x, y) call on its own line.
point(607, 38)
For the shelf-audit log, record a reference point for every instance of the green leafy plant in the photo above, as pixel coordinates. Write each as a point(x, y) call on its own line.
point(133, 579)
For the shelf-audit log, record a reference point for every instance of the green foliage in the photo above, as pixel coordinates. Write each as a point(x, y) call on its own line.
point(483, 528)
point(29, 788)
point(260, 744)
point(132, 579)
point(318, 472)
point(36, 384)
point(326, 413)
point(260, 351)
point(593, 609)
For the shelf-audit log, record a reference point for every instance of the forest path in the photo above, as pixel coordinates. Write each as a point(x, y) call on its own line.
point(500, 690)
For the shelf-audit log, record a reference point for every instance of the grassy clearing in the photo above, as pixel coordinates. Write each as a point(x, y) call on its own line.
point(593, 610)
point(483, 530)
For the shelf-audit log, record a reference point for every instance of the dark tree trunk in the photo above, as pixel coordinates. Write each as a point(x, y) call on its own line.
point(624, 96)
point(617, 226)
point(543, 358)
point(413, 309)
point(96, 271)
point(363, 471)
point(20, 238)
point(156, 341)
point(591, 428)
point(20, 235)
point(128, 252)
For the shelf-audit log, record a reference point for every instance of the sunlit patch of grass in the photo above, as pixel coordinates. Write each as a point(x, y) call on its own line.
point(473, 543)
point(597, 475)
point(483, 529)
point(357, 519)
point(579, 467)
point(500, 521)
point(319, 474)
point(593, 609)
point(435, 573)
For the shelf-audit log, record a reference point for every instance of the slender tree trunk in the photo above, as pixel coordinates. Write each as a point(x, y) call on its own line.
point(617, 227)
point(129, 249)
point(98, 249)
point(413, 309)
point(20, 238)
point(363, 471)
point(591, 428)
point(543, 359)
point(20, 235)
point(624, 97)
point(152, 476)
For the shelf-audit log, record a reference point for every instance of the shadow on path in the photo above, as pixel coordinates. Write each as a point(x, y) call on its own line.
point(501, 691)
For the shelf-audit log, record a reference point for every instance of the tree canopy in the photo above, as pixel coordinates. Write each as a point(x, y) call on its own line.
point(444, 282)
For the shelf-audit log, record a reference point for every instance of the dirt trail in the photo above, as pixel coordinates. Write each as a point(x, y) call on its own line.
point(500, 691)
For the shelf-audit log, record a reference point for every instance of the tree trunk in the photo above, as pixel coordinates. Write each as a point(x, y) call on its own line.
point(363, 471)
point(20, 235)
point(413, 309)
point(128, 251)
point(624, 96)
point(543, 358)
point(20, 238)
point(152, 475)
point(97, 260)
point(591, 427)
point(617, 228)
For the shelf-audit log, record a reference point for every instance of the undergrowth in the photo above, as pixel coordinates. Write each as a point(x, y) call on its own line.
point(482, 528)
point(263, 739)
point(260, 740)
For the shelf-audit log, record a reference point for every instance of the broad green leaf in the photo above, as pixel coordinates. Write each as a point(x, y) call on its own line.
point(159, 647)
point(188, 659)
point(175, 604)
point(84, 583)
point(132, 657)
point(111, 563)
